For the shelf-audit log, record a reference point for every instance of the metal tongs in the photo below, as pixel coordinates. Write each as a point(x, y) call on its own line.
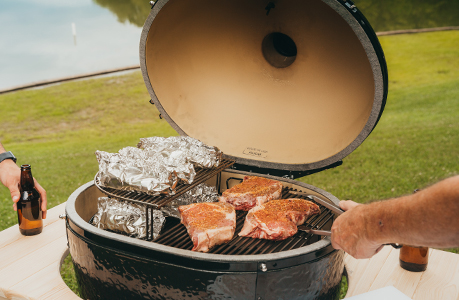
point(337, 210)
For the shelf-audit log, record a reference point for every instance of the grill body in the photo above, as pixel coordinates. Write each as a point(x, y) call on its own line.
point(211, 70)
point(113, 266)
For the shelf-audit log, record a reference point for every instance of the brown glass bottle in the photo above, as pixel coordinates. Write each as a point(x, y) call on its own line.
point(29, 205)
point(414, 259)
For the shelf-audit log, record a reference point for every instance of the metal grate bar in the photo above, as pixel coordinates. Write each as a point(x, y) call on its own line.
point(182, 243)
point(253, 247)
point(166, 232)
point(171, 235)
point(301, 242)
point(290, 243)
point(234, 243)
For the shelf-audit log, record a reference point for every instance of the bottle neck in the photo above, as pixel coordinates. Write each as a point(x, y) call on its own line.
point(27, 183)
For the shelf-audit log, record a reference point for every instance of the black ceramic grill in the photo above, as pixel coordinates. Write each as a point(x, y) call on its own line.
point(218, 71)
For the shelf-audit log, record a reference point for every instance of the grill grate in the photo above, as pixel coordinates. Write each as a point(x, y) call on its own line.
point(175, 234)
point(156, 202)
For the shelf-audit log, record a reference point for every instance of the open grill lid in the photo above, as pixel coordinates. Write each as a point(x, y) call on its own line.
point(283, 85)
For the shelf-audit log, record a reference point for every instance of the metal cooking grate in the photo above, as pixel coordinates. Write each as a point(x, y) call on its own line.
point(175, 234)
point(156, 202)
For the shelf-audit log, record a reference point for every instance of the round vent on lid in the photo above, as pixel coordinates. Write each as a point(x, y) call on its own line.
point(293, 84)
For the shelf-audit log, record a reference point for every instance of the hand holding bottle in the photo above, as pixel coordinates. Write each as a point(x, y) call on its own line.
point(29, 210)
point(10, 176)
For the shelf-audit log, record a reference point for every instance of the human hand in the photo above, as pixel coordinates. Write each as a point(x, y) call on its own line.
point(10, 176)
point(349, 232)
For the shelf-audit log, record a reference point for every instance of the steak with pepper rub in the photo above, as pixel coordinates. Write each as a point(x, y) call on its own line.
point(277, 219)
point(208, 224)
point(251, 192)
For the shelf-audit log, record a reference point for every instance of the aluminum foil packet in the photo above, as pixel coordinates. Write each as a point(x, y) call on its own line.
point(128, 218)
point(194, 150)
point(201, 193)
point(157, 165)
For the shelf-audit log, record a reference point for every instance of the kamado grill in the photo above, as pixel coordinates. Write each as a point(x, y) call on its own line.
point(284, 89)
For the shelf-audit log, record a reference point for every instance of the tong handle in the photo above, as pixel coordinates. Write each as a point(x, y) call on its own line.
point(328, 205)
point(334, 209)
point(328, 233)
point(396, 246)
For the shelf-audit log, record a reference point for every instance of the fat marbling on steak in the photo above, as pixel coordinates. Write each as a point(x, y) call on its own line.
point(208, 224)
point(277, 219)
point(251, 192)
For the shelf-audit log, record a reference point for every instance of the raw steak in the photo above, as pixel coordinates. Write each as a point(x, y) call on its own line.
point(277, 220)
point(208, 224)
point(251, 192)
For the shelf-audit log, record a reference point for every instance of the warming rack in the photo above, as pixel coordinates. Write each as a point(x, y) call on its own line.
point(156, 202)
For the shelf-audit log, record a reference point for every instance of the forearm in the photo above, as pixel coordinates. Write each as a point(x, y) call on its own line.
point(5, 167)
point(427, 218)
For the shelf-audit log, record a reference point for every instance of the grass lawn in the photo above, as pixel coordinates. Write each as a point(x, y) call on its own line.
point(57, 129)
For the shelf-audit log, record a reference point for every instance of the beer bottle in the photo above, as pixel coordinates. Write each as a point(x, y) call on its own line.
point(29, 204)
point(412, 258)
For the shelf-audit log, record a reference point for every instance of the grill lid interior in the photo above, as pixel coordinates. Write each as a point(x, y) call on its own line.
point(297, 86)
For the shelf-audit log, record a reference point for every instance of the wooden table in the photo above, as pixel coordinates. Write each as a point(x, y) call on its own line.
point(30, 268)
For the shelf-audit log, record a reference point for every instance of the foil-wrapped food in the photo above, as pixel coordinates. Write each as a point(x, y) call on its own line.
point(130, 218)
point(157, 165)
point(201, 193)
point(124, 217)
point(195, 151)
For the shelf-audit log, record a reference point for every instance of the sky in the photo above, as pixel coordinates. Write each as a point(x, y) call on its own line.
point(37, 42)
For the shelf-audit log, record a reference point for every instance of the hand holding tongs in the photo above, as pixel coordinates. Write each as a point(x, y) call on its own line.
point(334, 209)
point(308, 229)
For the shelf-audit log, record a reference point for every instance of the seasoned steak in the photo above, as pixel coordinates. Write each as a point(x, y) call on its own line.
point(251, 192)
point(277, 220)
point(208, 224)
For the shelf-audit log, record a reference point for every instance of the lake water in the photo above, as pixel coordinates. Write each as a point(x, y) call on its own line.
point(37, 41)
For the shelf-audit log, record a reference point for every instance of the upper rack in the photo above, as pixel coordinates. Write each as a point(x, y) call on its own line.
point(156, 202)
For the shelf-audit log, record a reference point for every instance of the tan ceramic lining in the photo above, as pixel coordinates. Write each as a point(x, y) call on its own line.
point(205, 64)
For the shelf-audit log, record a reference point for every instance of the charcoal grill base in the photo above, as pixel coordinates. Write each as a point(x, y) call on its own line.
point(106, 273)
point(113, 266)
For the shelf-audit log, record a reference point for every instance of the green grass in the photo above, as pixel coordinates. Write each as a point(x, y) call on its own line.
point(57, 129)
point(416, 141)
point(68, 274)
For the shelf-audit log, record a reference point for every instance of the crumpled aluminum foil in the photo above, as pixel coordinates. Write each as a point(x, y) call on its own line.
point(194, 150)
point(157, 165)
point(201, 193)
point(124, 217)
